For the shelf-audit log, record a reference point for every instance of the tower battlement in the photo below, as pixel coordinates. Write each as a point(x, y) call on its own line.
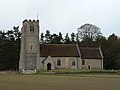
point(26, 20)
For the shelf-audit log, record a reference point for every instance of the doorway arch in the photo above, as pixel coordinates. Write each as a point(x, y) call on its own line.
point(49, 66)
point(89, 67)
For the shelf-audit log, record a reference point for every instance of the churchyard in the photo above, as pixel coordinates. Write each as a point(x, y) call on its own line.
point(90, 81)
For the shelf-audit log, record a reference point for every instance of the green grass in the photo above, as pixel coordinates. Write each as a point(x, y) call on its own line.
point(60, 82)
point(78, 71)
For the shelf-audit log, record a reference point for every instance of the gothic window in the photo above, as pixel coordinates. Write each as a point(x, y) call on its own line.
point(73, 63)
point(31, 28)
point(83, 62)
point(58, 62)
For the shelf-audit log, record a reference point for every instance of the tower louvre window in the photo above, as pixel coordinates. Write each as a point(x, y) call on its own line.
point(31, 28)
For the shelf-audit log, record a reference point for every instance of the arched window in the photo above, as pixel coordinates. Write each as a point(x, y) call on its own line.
point(73, 63)
point(58, 62)
point(83, 62)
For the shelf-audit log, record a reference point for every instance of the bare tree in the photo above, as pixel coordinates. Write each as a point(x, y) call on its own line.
point(88, 31)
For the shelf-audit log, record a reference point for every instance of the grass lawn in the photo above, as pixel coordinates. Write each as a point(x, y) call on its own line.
point(60, 82)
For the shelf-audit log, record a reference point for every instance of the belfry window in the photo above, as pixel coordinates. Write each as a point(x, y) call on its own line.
point(58, 62)
point(31, 28)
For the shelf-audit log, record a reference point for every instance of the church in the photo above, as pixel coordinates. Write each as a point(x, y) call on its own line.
point(37, 56)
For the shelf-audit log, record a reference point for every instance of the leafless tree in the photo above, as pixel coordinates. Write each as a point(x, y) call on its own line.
point(88, 31)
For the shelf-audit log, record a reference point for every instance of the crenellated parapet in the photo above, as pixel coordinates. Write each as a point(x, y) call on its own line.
point(29, 21)
point(30, 24)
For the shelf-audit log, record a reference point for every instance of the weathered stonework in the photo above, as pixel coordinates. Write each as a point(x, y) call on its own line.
point(30, 62)
point(29, 53)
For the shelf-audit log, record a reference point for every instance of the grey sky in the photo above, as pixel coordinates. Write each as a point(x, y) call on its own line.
point(62, 15)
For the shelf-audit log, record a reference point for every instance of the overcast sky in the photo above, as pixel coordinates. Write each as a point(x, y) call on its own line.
point(62, 15)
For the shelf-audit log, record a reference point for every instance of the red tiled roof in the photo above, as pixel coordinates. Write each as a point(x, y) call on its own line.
point(59, 50)
point(69, 50)
point(90, 53)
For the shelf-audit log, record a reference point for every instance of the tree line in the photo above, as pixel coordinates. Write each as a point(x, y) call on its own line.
point(88, 35)
point(9, 49)
point(54, 38)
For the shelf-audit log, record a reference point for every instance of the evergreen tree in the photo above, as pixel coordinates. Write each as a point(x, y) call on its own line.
point(9, 50)
point(60, 38)
point(47, 37)
point(55, 39)
point(42, 38)
point(73, 38)
point(67, 39)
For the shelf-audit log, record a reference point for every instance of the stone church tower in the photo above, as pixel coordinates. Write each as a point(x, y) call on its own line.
point(29, 53)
